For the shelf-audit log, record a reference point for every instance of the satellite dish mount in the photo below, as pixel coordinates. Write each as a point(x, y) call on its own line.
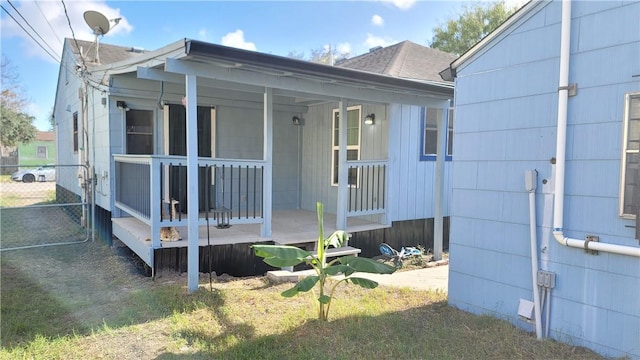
point(99, 24)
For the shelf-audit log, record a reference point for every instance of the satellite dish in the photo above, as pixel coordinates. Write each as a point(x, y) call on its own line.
point(97, 22)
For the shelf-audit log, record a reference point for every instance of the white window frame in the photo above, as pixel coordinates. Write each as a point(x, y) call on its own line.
point(626, 151)
point(336, 148)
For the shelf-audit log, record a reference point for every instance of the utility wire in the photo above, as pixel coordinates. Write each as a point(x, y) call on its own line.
point(34, 30)
point(31, 36)
point(73, 34)
point(47, 20)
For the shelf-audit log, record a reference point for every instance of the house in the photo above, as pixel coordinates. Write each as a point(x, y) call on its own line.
point(545, 180)
point(41, 151)
point(271, 142)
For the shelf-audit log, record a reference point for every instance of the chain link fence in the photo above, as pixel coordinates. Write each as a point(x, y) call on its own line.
point(43, 206)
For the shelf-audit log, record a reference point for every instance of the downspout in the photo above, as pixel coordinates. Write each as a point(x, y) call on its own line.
point(558, 205)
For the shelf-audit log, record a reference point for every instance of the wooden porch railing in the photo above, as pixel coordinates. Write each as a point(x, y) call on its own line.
point(146, 183)
point(368, 195)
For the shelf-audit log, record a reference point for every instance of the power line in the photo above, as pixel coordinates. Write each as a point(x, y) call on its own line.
point(47, 20)
point(73, 34)
point(31, 36)
point(34, 30)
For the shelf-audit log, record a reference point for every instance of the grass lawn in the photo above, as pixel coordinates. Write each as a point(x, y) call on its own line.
point(87, 301)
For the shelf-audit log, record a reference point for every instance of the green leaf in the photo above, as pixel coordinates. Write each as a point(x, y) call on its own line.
point(337, 269)
point(280, 251)
point(365, 283)
point(303, 285)
point(362, 264)
point(277, 262)
point(324, 299)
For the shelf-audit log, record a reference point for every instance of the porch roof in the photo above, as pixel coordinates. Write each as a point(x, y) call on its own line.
point(306, 81)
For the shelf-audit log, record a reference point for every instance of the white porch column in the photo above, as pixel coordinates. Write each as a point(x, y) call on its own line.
point(267, 175)
point(343, 172)
point(438, 220)
point(192, 182)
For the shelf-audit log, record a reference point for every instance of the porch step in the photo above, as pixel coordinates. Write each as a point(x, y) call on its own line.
point(343, 251)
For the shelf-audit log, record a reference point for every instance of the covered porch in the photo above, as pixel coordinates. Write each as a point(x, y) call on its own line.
point(248, 165)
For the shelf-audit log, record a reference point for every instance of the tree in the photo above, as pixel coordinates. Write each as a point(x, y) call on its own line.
point(327, 55)
point(16, 126)
point(476, 21)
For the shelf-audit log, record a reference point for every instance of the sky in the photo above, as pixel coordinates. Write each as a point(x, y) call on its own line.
point(32, 32)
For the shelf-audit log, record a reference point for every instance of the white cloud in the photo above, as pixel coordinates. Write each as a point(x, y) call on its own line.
point(377, 20)
point(401, 4)
point(236, 39)
point(373, 41)
point(49, 21)
point(203, 34)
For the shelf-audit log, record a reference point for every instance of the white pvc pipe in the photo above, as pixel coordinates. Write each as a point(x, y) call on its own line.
point(563, 94)
point(530, 181)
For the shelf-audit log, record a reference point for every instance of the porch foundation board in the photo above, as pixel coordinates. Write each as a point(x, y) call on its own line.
point(289, 227)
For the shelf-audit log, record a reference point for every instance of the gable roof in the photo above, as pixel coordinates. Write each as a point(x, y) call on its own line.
point(108, 53)
point(404, 60)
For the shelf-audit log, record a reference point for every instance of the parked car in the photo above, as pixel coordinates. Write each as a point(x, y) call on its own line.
point(42, 173)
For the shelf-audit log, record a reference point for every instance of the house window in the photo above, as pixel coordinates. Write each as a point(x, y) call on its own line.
point(41, 152)
point(630, 179)
point(429, 134)
point(354, 114)
point(75, 132)
point(139, 125)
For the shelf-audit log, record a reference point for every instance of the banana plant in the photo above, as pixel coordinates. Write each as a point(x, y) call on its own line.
point(325, 272)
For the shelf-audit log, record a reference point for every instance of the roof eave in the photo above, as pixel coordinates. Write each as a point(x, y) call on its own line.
point(199, 49)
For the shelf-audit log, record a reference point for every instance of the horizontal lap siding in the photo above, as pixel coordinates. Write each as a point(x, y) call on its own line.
point(506, 113)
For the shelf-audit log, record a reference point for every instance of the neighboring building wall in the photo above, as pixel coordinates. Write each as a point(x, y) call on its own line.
point(506, 114)
point(41, 151)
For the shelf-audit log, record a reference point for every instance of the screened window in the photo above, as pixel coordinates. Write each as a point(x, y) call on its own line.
point(353, 143)
point(139, 132)
point(429, 135)
point(630, 187)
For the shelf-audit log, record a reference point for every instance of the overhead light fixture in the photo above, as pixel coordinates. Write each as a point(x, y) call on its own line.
point(370, 119)
point(122, 105)
point(296, 120)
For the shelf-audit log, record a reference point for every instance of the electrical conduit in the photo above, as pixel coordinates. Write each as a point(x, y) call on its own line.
point(531, 178)
point(563, 95)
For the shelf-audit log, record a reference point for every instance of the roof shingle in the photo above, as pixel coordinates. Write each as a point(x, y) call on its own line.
point(405, 60)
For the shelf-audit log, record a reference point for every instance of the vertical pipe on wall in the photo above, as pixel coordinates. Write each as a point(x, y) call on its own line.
point(561, 143)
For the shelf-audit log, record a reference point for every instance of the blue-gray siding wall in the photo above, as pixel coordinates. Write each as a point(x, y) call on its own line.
point(316, 133)
point(506, 114)
point(394, 137)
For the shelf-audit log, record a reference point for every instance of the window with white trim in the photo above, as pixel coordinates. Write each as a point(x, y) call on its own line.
point(630, 179)
point(354, 119)
point(429, 134)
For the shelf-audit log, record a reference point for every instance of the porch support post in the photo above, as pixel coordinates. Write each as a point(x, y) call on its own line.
point(438, 220)
point(267, 201)
point(192, 182)
point(343, 172)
